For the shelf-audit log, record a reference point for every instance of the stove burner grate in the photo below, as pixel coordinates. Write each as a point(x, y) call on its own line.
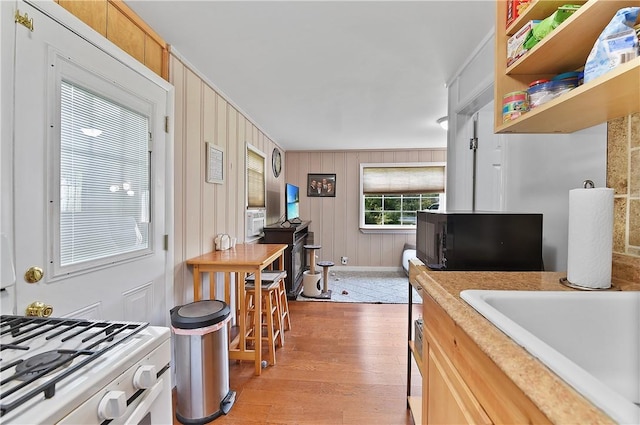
point(17, 332)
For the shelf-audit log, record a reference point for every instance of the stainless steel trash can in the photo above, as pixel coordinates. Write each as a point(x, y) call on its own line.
point(201, 359)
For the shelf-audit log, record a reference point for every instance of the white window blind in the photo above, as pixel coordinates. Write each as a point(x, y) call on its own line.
point(403, 179)
point(104, 178)
point(391, 194)
point(256, 185)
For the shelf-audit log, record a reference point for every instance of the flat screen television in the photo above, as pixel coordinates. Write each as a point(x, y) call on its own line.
point(292, 213)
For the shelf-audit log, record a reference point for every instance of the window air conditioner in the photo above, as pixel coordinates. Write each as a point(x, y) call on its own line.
point(255, 223)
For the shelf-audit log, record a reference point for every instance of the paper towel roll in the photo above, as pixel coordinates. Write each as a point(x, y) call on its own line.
point(590, 237)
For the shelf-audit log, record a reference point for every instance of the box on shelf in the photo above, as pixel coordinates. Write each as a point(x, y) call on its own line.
point(515, 8)
point(515, 44)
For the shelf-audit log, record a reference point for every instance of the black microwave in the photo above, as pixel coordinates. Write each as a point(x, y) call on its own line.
point(479, 240)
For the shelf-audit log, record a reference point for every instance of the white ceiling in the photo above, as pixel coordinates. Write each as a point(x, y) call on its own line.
point(329, 75)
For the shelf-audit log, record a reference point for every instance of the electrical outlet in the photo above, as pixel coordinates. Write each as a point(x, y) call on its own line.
point(344, 260)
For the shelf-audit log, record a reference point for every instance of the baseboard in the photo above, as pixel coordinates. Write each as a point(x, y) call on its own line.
point(365, 269)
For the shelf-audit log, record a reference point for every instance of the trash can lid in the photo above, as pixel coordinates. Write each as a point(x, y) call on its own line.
point(199, 314)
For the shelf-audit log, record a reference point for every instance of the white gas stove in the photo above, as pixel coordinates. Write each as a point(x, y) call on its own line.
point(72, 371)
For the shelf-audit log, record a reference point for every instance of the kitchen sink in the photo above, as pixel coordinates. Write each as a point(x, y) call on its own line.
point(589, 339)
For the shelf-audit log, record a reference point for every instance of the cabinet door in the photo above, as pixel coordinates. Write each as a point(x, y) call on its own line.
point(449, 400)
point(92, 13)
point(123, 32)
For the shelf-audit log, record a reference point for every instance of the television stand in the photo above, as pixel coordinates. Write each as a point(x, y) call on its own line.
point(295, 261)
point(291, 223)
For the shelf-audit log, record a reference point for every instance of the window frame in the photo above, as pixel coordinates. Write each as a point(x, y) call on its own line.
point(258, 152)
point(74, 74)
point(407, 228)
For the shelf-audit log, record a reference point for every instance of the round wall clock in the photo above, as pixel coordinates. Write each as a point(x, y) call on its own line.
point(276, 162)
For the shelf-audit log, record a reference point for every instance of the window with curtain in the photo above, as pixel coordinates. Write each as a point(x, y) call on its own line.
point(390, 194)
point(256, 183)
point(104, 175)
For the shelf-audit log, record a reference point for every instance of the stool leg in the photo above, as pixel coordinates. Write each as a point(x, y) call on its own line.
point(250, 311)
point(285, 306)
point(277, 317)
point(268, 312)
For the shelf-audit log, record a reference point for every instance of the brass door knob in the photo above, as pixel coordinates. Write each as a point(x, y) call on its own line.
point(33, 274)
point(38, 309)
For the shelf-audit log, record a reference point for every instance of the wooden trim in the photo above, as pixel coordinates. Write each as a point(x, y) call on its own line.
point(165, 62)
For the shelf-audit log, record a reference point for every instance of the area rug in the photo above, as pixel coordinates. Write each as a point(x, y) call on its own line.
point(377, 287)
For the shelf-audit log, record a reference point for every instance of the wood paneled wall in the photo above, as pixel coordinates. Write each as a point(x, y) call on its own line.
point(202, 210)
point(335, 221)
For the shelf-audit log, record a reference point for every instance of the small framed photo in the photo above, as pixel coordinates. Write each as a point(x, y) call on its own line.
point(321, 185)
point(215, 164)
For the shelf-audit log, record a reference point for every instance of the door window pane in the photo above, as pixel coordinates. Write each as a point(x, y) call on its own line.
point(104, 178)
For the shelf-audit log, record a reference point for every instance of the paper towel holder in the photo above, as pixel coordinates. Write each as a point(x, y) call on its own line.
point(565, 282)
point(588, 184)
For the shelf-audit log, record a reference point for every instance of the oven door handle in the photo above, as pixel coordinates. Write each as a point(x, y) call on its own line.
point(145, 404)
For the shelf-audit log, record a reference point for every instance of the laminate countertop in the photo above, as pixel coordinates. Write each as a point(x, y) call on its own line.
point(553, 396)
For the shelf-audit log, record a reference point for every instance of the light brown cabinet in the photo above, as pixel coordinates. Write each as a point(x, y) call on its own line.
point(612, 95)
point(449, 400)
point(460, 383)
point(120, 25)
point(92, 13)
point(414, 402)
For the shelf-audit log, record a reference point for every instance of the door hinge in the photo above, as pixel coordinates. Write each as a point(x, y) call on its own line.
point(166, 124)
point(166, 242)
point(24, 20)
point(473, 143)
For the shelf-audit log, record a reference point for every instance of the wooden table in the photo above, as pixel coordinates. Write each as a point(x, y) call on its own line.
point(240, 260)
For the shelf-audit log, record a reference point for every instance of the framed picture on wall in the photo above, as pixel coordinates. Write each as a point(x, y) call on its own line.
point(215, 164)
point(321, 185)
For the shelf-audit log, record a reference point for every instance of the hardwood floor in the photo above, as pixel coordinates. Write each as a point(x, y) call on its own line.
point(342, 363)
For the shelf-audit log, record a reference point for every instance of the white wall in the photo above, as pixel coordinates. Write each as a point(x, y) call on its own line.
point(469, 90)
point(536, 171)
point(540, 170)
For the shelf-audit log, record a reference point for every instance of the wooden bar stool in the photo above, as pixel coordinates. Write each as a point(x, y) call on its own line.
point(271, 330)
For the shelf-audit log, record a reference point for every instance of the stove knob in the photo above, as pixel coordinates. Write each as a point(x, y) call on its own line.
point(113, 405)
point(145, 377)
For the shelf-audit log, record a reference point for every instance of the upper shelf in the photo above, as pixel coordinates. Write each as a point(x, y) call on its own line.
point(612, 95)
point(559, 52)
point(537, 9)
